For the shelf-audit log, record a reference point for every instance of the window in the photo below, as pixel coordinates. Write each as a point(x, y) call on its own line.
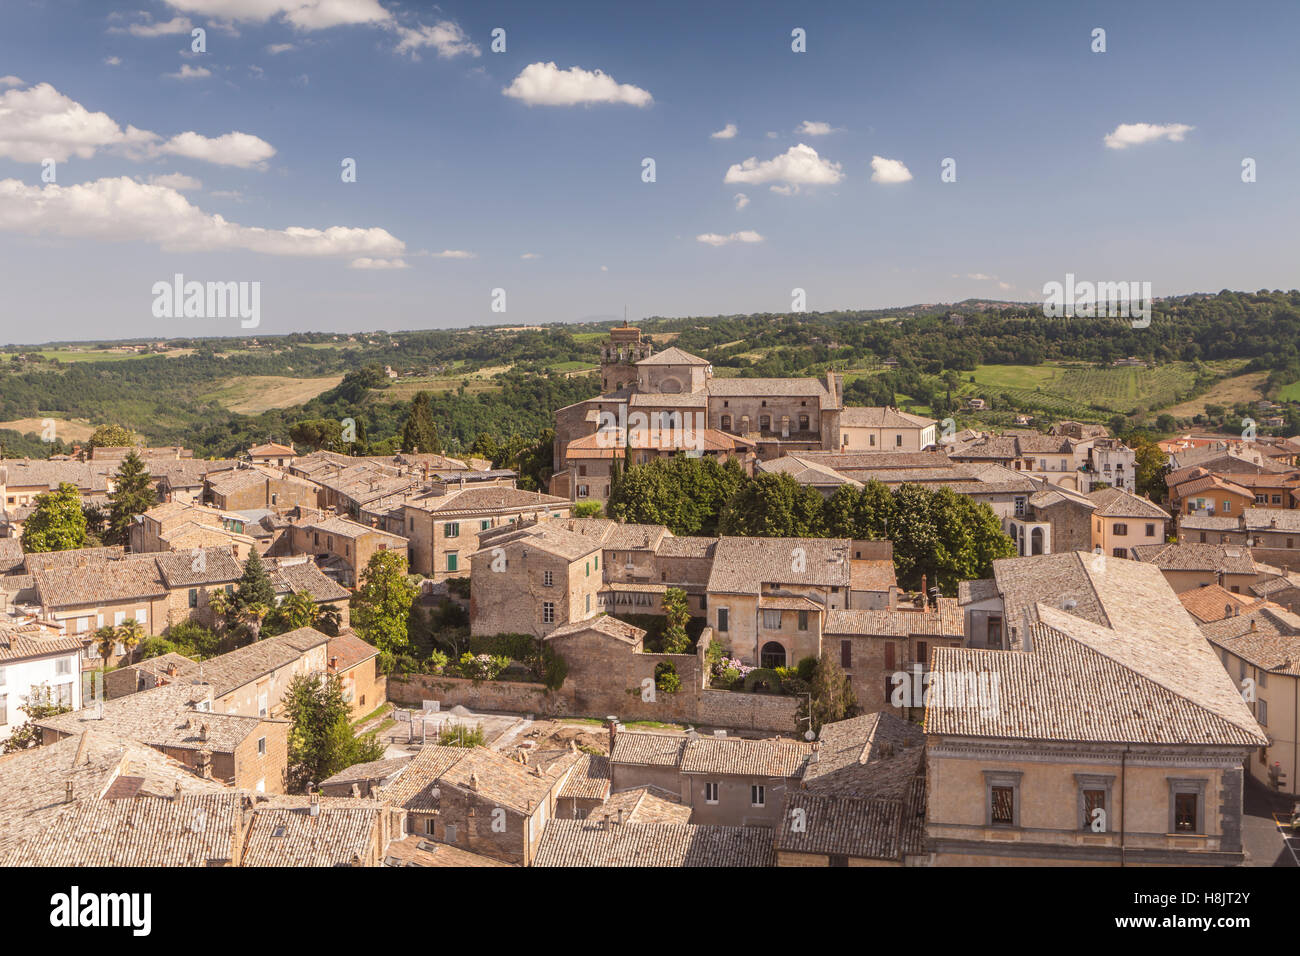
point(872, 441)
point(261, 746)
point(710, 793)
point(548, 579)
point(764, 423)
point(1119, 552)
point(583, 491)
point(1277, 499)
point(803, 423)
point(772, 655)
point(453, 560)
point(995, 632)
point(4, 709)
point(1151, 531)
point(485, 524)
point(846, 654)
point(194, 597)
point(1002, 798)
point(1020, 507)
point(1119, 528)
point(1261, 712)
point(451, 529)
point(726, 423)
point(450, 831)
point(722, 620)
point(922, 650)
point(771, 619)
point(1261, 677)
point(1227, 506)
point(596, 561)
point(587, 566)
point(63, 666)
point(582, 471)
point(411, 526)
point(1093, 802)
point(1186, 805)
point(63, 694)
point(758, 795)
point(898, 441)
point(889, 655)
point(589, 603)
point(548, 612)
point(803, 620)
point(1094, 794)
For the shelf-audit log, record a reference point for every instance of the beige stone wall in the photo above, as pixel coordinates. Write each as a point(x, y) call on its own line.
point(88, 618)
point(1137, 531)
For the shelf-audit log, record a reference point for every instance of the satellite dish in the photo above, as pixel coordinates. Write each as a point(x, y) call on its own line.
point(808, 735)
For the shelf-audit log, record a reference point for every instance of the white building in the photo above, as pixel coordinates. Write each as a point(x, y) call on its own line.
point(36, 660)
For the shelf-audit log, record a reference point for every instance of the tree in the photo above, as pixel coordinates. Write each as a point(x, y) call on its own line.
point(58, 523)
point(132, 494)
point(381, 607)
point(418, 432)
point(587, 509)
point(111, 436)
point(774, 506)
point(254, 586)
point(831, 695)
point(36, 706)
point(130, 633)
point(252, 616)
point(295, 611)
point(1150, 466)
point(321, 741)
point(675, 640)
point(106, 640)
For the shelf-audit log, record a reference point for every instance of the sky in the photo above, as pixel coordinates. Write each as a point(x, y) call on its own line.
point(516, 178)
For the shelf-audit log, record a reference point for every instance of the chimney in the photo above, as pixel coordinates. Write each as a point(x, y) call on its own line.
point(67, 794)
point(314, 807)
point(473, 782)
point(1252, 625)
point(334, 663)
point(618, 817)
point(356, 790)
point(613, 732)
point(204, 764)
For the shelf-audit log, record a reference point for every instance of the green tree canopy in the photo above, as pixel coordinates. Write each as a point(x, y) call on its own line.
point(254, 586)
point(58, 523)
point(418, 432)
point(132, 494)
point(321, 741)
point(381, 607)
point(111, 436)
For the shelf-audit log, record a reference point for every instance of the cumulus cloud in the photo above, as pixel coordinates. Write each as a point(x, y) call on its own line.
point(727, 132)
point(889, 170)
point(148, 28)
point(8, 81)
point(122, 209)
point(545, 84)
point(178, 181)
point(815, 128)
point(231, 149)
point(188, 72)
point(453, 254)
point(303, 14)
point(798, 164)
point(367, 263)
point(277, 48)
point(714, 239)
point(112, 61)
point(784, 190)
point(41, 123)
point(741, 200)
point(444, 36)
point(1135, 134)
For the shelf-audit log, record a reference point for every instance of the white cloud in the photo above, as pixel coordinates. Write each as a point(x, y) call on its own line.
point(1135, 134)
point(604, 268)
point(188, 72)
point(368, 263)
point(303, 14)
point(544, 84)
point(815, 128)
point(277, 48)
point(453, 254)
point(172, 27)
point(530, 255)
point(713, 239)
point(444, 36)
point(124, 210)
point(741, 200)
point(41, 123)
point(7, 81)
point(784, 190)
point(798, 164)
point(771, 135)
point(112, 61)
point(727, 132)
point(889, 170)
point(230, 149)
point(178, 181)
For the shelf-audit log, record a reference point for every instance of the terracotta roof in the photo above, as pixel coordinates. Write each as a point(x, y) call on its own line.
point(283, 832)
point(200, 566)
point(687, 547)
point(857, 827)
point(271, 448)
point(302, 576)
point(744, 565)
point(1267, 637)
point(545, 536)
point(1196, 557)
point(603, 624)
point(75, 558)
point(589, 780)
point(380, 770)
point(673, 356)
point(21, 642)
point(228, 672)
point(11, 554)
point(102, 583)
point(642, 805)
point(1118, 503)
point(875, 755)
point(413, 788)
point(946, 621)
point(490, 500)
point(348, 650)
point(739, 756)
point(583, 843)
point(1213, 603)
point(855, 416)
point(648, 750)
point(1272, 519)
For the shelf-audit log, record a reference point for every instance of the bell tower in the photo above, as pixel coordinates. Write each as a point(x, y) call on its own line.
point(619, 355)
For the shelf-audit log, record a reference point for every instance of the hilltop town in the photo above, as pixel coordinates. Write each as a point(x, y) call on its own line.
point(746, 622)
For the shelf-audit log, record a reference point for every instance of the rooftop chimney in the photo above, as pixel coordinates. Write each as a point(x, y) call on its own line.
point(613, 732)
point(67, 794)
point(204, 764)
point(314, 807)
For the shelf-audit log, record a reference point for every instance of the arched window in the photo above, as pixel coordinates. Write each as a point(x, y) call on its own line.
point(772, 655)
point(1036, 541)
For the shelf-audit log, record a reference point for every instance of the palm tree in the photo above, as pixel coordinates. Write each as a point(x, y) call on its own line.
point(105, 642)
point(252, 617)
point(299, 610)
point(130, 633)
point(220, 605)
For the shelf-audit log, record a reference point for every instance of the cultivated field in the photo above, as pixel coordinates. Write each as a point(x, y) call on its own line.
point(64, 430)
point(1238, 388)
point(254, 394)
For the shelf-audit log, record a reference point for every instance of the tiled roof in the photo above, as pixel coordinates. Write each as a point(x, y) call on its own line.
point(642, 805)
point(378, 770)
point(348, 650)
point(590, 779)
point(1118, 503)
point(617, 536)
point(971, 592)
point(811, 473)
point(751, 758)
point(872, 575)
point(19, 642)
point(489, 500)
point(1196, 557)
point(877, 828)
point(1209, 522)
point(546, 536)
point(228, 672)
point(1268, 637)
point(101, 583)
point(875, 755)
point(189, 830)
point(603, 624)
point(855, 416)
point(11, 554)
point(186, 569)
point(302, 576)
point(946, 621)
point(271, 448)
point(786, 387)
point(648, 750)
point(593, 843)
point(283, 832)
point(1086, 682)
point(1213, 603)
point(673, 356)
point(877, 460)
point(743, 565)
point(687, 547)
point(1272, 519)
point(76, 558)
point(413, 789)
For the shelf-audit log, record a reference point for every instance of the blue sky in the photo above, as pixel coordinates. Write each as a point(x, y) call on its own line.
point(457, 181)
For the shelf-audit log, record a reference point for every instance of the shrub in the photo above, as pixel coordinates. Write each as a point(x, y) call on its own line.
point(481, 667)
point(462, 736)
point(666, 678)
point(458, 586)
point(516, 647)
point(762, 679)
point(806, 668)
point(554, 668)
point(587, 509)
